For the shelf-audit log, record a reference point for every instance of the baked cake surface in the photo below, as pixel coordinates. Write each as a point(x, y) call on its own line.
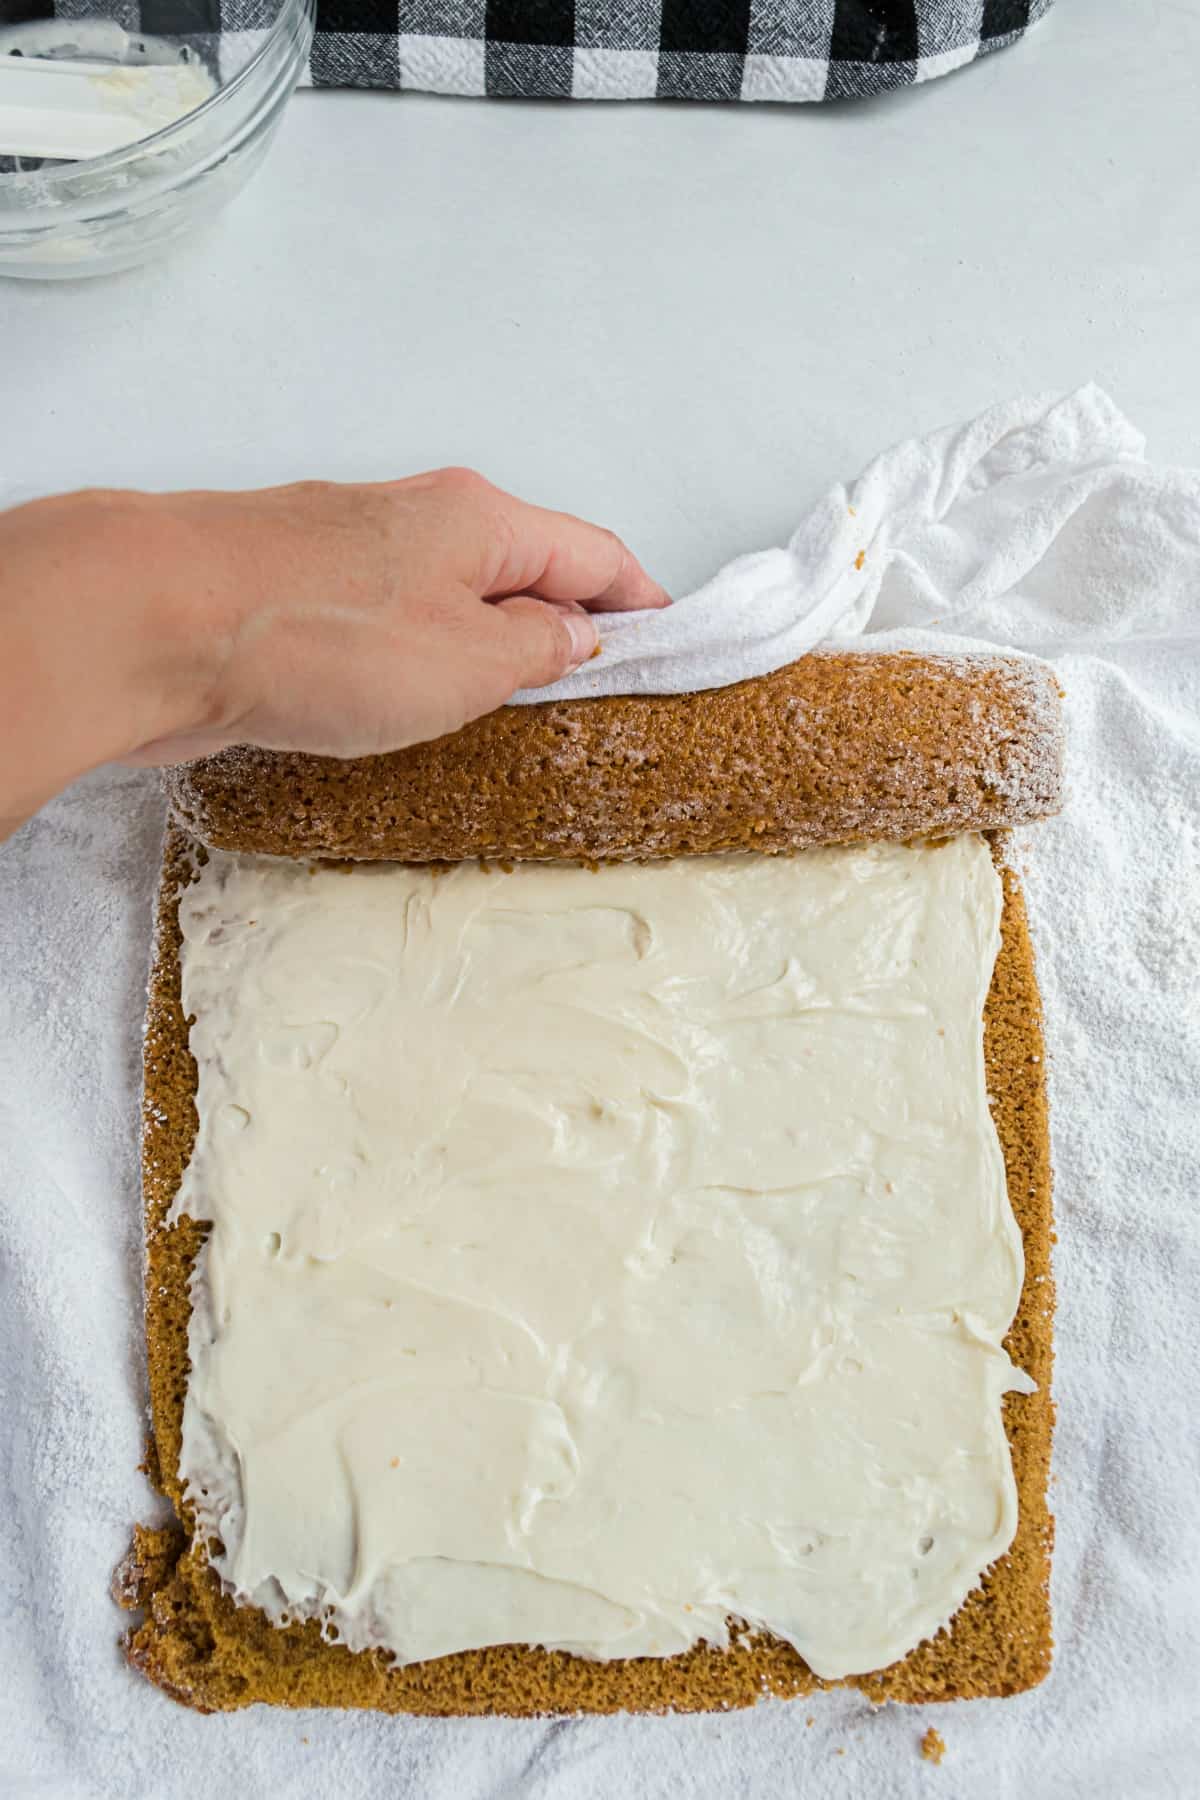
point(838, 747)
point(835, 747)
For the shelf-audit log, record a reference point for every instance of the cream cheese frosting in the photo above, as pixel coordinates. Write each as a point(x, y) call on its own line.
point(600, 1257)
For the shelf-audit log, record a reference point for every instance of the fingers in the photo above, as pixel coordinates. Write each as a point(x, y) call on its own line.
point(522, 549)
point(540, 642)
point(558, 557)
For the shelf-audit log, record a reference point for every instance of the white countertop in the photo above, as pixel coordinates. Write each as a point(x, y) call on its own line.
point(682, 321)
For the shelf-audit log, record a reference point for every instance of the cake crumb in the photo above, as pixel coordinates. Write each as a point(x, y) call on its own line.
point(810, 1721)
point(933, 1746)
point(860, 559)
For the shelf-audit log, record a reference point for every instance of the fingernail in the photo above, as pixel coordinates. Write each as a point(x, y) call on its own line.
point(584, 641)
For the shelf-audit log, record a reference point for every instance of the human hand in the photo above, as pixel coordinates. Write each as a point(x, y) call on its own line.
point(342, 620)
point(361, 619)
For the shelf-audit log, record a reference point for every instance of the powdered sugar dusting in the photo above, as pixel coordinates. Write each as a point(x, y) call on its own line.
point(833, 749)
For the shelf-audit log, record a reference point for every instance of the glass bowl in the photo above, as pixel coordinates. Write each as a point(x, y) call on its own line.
point(63, 219)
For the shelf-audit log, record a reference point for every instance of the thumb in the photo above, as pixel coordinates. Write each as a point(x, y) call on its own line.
point(543, 640)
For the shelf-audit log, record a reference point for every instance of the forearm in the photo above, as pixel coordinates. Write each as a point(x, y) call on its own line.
point(98, 649)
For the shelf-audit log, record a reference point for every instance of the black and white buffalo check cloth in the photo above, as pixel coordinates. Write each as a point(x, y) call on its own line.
point(593, 50)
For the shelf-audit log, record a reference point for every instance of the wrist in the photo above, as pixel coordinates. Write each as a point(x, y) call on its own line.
point(179, 611)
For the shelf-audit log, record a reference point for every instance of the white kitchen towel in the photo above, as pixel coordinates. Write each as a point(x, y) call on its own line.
point(979, 530)
point(1038, 526)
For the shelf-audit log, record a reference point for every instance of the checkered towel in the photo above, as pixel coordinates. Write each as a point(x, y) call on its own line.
point(606, 49)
